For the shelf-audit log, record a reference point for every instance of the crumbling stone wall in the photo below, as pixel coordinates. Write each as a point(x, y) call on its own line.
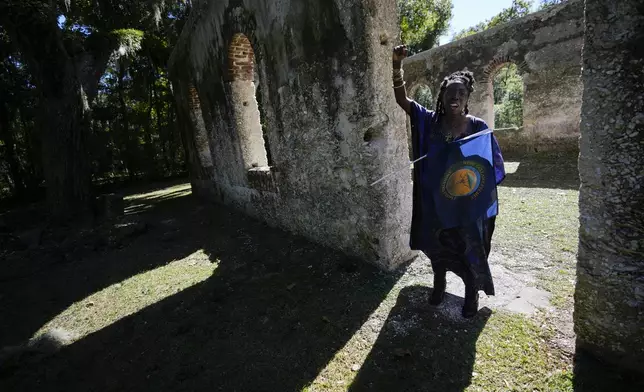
point(322, 75)
point(609, 298)
point(546, 47)
point(195, 140)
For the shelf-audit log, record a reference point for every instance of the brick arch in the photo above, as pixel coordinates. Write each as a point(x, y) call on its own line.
point(412, 88)
point(245, 107)
point(241, 58)
point(498, 62)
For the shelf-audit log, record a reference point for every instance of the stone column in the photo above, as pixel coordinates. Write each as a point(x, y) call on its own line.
point(609, 299)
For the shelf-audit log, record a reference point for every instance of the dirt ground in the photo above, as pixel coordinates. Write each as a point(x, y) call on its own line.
point(181, 295)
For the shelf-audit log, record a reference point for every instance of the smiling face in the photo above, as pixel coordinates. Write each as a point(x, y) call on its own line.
point(455, 97)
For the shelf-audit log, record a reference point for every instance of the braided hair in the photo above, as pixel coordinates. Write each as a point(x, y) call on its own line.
point(466, 77)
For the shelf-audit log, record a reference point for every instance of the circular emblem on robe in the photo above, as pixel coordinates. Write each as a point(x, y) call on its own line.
point(463, 181)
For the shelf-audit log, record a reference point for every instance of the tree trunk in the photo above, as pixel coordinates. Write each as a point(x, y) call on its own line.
point(174, 134)
point(609, 297)
point(124, 123)
point(32, 141)
point(65, 159)
point(6, 135)
point(164, 133)
point(66, 84)
point(149, 147)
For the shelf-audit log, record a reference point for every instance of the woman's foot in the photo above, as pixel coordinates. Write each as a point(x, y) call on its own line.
point(471, 305)
point(438, 294)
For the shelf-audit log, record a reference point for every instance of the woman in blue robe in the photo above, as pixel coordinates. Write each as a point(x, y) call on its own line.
point(464, 250)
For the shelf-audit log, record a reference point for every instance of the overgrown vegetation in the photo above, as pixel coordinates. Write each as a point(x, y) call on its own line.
point(508, 97)
point(86, 97)
point(423, 95)
point(423, 21)
point(549, 3)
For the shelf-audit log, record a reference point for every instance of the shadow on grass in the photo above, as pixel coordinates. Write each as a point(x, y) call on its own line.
point(542, 171)
point(54, 282)
point(421, 348)
point(273, 314)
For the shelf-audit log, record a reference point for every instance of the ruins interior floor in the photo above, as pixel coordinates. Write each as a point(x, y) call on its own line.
point(181, 295)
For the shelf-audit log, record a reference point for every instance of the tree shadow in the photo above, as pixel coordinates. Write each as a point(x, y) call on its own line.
point(39, 284)
point(542, 171)
point(275, 311)
point(422, 348)
point(593, 375)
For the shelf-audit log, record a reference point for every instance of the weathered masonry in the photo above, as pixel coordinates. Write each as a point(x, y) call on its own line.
point(609, 297)
point(546, 47)
point(288, 115)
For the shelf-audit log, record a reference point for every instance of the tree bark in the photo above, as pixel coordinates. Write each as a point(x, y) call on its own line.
point(65, 159)
point(66, 83)
point(164, 133)
point(6, 135)
point(149, 147)
point(124, 123)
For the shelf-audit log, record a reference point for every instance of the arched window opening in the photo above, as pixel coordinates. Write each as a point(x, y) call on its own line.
point(508, 97)
point(258, 93)
point(242, 76)
point(423, 95)
point(202, 142)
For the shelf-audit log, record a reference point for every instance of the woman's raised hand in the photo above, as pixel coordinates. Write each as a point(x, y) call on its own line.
point(400, 53)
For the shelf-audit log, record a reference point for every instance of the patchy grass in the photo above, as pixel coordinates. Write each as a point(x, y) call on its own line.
point(540, 227)
point(539, 222)
point(561, 283)
point(122, 299)
point(207, 297)
point(545, 220)
point(512, 355)
point(506, 352)
point(165, 193)
point(143, 201)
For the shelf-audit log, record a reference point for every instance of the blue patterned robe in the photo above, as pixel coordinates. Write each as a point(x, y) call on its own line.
point(463, 250)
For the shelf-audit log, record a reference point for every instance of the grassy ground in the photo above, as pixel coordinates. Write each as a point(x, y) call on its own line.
point(540, 220)
point(199, 297)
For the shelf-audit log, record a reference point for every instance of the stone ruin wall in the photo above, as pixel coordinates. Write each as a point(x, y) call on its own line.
point(609, 295)
point(318, 74)
point(546, 47)
point(323, 87)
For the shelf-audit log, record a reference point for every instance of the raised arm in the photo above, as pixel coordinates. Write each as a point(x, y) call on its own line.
point(399, 54)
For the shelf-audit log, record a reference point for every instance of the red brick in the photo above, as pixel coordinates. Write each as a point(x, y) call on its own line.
point(240, 58)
